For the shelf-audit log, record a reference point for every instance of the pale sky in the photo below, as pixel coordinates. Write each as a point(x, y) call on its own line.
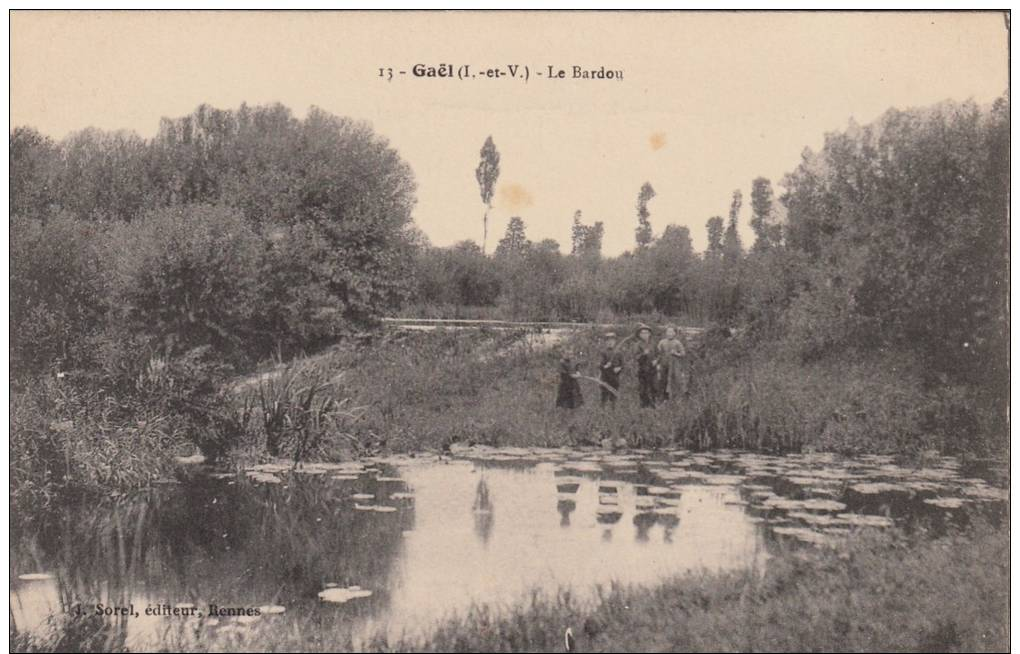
point(708, 101)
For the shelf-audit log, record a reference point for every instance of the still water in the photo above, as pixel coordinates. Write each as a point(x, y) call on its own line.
point(395, 545)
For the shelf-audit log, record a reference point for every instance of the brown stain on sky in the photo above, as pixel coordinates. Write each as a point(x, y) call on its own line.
point(657, 140)
point(514, 196)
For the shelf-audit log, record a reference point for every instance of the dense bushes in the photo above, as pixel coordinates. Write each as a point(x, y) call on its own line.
point(57, 296)
point(185, 278)
point(145, 272)
point(893, 239)
point(232, 236)
point(222, 219)
point(909, 216)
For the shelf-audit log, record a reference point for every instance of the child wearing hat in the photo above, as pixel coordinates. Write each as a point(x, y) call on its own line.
point(646, 366)
point(609, 369)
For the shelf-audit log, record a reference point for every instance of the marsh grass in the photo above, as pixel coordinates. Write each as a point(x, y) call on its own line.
point(301, 408)
point(427, 390)
point(65, 437)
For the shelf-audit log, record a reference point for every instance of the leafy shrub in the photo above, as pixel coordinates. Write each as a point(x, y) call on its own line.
point(56, 291)
point(298, 305)
point(186, 277)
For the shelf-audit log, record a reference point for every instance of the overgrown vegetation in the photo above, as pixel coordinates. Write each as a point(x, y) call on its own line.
point(147, 273)
point(887, 253)
point(429, 390)
point(871, 312)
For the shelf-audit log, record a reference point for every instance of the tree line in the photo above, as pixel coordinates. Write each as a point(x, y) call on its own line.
point(892, 237)
point(245, 231)
point(249, 231)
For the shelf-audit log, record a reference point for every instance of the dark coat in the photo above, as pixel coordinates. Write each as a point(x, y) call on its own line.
point(568, 395)
point(646, 373)
point(611, 360)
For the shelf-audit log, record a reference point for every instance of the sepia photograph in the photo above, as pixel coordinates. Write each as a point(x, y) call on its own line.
point(509, 331)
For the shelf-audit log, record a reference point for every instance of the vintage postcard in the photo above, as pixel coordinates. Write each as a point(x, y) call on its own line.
point(509, 331)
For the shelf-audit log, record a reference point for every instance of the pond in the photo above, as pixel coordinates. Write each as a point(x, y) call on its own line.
point(394, 545)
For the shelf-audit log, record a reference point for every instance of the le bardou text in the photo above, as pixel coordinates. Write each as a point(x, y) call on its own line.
point(524, 73)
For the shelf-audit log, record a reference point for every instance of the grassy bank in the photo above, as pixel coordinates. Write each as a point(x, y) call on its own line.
point(427, 390)
point(413, 391)
point(879, 593)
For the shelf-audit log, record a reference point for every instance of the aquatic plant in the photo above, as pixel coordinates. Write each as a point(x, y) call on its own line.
point(303, 405)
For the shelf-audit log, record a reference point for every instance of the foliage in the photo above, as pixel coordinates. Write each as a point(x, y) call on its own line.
point(332, 197)
point(904, 227)
point(643, 232)
point(66, 436)
point(767, 230)
point(460, 275)
point(57, 299)
point(184, 278)
point(714, 230)
point(731, 246)
point(300, 302)
point(304, 410)
point(487, 174)
point(586, 240)
point(515, 242)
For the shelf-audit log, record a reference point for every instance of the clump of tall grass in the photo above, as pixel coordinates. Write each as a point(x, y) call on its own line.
point(66, 437)
point(303, 409)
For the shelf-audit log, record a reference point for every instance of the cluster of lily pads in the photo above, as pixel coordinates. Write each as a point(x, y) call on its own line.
point(813, 498)
point(348, 471)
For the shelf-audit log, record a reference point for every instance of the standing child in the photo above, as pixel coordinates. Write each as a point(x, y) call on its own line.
point(671, 364)
point(609, 369)
point(568, 395)
point(646, 365)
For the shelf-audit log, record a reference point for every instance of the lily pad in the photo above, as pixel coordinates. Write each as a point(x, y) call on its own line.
point(877, 488)
point(723, 480)
point(35, 576)
point(375, 507)
point(644, 501)
point(804, 535)
point(264, 478)
point(343, 595)
point(862, 520)
point(946, 502)
point(987, 493)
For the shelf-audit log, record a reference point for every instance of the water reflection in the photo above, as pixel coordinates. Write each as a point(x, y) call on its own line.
point(397, 536)
point(483, 511)
point(565, 508)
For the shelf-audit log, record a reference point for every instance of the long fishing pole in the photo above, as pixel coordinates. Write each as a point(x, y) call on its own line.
point(600, 383)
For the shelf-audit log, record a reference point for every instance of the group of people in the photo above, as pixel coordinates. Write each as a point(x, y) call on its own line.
point(662, 369)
